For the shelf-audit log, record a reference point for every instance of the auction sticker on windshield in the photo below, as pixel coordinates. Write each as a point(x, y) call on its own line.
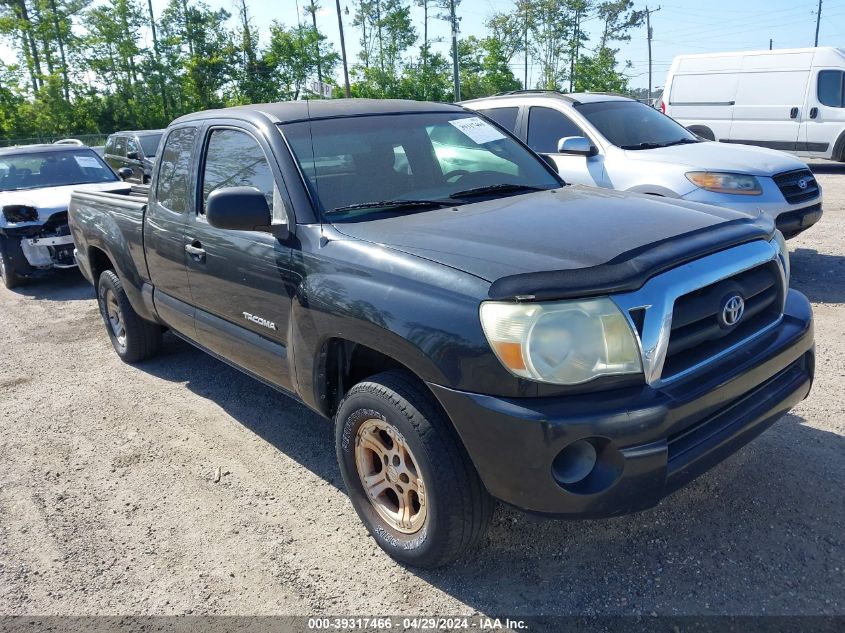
point(479, 131)
point(87, 162)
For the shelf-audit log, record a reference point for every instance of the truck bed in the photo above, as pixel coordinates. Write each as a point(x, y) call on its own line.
point(113, 222)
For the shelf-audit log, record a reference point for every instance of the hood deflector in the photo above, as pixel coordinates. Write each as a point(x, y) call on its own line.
point(631, 269)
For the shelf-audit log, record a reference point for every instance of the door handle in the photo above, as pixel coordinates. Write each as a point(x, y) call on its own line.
point(196, 251)
point(814, 112)
point(793, 113)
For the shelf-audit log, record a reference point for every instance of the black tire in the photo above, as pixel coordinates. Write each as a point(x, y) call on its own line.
point(458, 507)
point(133, 338)
point(7, 266)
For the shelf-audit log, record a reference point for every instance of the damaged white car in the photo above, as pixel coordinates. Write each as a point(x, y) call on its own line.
point(35, 186)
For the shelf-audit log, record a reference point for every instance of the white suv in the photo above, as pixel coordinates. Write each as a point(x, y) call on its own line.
point(618, 143)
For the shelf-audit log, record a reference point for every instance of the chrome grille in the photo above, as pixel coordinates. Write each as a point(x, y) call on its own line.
point(697, 331)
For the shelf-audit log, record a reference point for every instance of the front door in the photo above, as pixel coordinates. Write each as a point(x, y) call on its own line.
point(239, 279)
point(825, 120)
point(546, 126)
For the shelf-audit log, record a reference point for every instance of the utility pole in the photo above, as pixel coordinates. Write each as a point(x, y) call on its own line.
point(455, 69)
point(343, 52)
point(525, 43)
point(648, 13)
point(770, 43)
point(313, 11)
point(818, 21)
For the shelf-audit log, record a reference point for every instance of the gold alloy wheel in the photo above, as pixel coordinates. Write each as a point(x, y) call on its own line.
point(390, 476)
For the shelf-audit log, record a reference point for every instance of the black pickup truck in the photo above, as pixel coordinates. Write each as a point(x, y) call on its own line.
point(476, 329)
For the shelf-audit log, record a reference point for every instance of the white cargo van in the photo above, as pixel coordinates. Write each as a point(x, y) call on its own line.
point(791, 99)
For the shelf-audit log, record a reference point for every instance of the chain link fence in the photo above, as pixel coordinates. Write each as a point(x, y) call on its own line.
point(91, 140)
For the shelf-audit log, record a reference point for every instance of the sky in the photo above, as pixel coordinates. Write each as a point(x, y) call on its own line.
point(679, 27)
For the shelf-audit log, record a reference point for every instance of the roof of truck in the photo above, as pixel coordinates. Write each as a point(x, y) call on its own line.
point(287, 111)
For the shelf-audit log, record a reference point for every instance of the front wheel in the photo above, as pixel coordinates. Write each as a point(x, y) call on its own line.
point(133, 338)
point(407, 474)
point(7, 269)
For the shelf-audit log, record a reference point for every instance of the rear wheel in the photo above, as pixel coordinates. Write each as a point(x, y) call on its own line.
point(7, 269)
point(406, 472)
point(133, 338)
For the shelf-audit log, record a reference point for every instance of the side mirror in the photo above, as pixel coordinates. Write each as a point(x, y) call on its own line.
point(125, 173)
point(133, 155)
point(241, 209)
point(550, 161)
point(576, 146)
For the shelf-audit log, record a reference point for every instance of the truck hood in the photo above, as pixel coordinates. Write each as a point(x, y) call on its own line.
point(47, 201)
point(710, 156)
point(564, 229)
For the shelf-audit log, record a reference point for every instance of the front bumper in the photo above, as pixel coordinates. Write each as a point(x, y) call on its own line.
point(790, 219)
point(792, 223)
point(654, 440)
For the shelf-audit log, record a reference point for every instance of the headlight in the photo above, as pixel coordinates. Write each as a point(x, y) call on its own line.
point(562, 342)
point(19, 213)
point(784, 252)
point(725, 183)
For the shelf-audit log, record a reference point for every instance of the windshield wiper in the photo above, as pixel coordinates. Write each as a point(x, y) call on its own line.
point(652, 145)
point(643, 146)
point(394, 204)
point(682, 141)
point(500, 188)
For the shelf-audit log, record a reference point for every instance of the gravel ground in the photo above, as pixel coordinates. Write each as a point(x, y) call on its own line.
point(108, 503)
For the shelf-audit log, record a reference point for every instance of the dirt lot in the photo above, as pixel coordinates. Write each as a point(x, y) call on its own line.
point(108, 503)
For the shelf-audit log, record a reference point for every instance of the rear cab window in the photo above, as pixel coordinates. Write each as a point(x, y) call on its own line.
point(173, 186)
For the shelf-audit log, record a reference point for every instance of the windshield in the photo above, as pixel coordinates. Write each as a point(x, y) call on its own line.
point(634, 125)
point(359, 167)
point(150, 144)
point(38, 170)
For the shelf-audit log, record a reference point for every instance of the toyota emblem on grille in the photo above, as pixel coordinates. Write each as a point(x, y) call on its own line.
point(802, 184)
point(733, 307)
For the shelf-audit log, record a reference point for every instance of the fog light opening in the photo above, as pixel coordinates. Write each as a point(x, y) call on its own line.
point(575, 462)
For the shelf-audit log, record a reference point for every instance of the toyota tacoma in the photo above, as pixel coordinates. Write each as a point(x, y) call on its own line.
point(476, 329)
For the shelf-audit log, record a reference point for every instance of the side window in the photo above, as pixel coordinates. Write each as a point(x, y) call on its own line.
point(120, 146)
point(506, 117)
point(131, 146)
point(234, 159)
point(546, 127)
point(174, 175)
point(831, 88)
point(109, 148)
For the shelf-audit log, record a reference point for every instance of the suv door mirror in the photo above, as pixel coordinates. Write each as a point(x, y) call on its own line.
point(125, 173)
point(239, 209)
point(550, 161)
point(132, 155)
point(576, 146)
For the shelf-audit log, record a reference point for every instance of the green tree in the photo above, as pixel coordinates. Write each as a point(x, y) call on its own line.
point(599, 73)
point(291, 58)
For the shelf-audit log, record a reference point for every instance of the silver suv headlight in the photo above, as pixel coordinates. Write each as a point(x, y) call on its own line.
point(784, 252)
point(561, 342)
